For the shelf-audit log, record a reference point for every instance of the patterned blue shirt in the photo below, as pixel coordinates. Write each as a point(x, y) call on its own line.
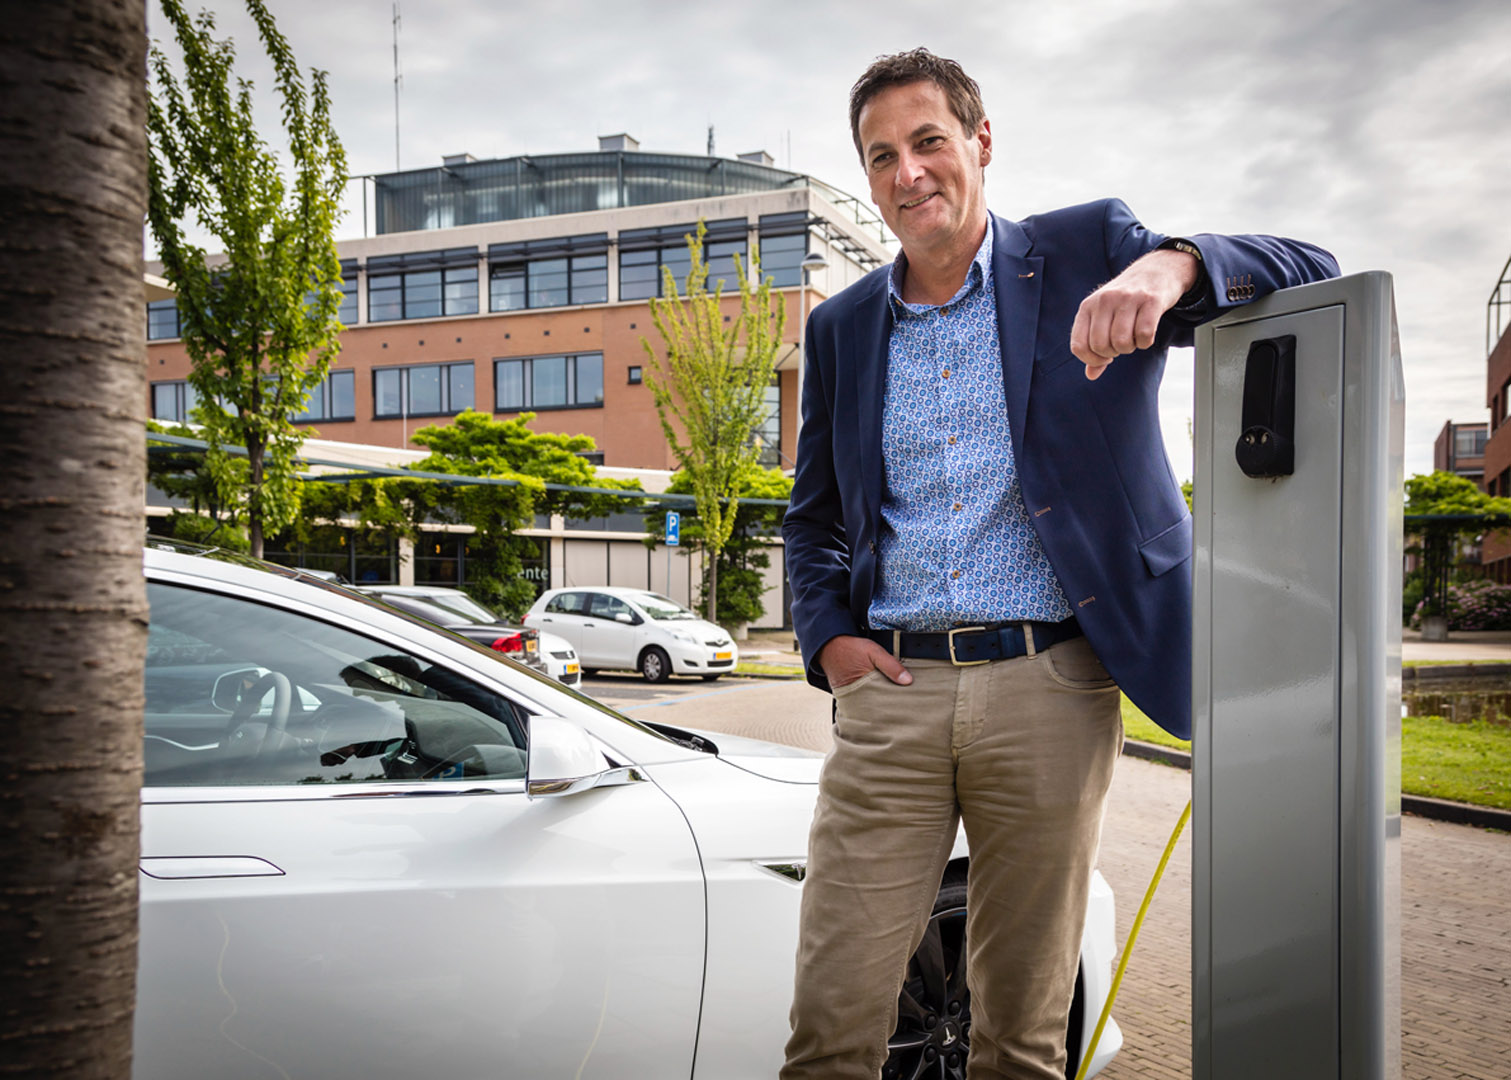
point(956, 546)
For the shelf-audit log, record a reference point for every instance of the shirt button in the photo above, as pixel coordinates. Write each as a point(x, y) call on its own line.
point(946, 373)
point(952, 440)
point(957, 507)
point(954, 573)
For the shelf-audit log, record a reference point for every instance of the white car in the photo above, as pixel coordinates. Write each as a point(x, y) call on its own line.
point(371, 848)
point(615, 627)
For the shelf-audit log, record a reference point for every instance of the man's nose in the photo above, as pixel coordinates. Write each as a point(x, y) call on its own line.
point(909, 169)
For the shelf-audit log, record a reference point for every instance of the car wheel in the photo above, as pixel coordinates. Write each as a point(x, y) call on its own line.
point(589, 672)
point(933, 1032)
point(655, 665)
point(933, 1035)
point(712, 678)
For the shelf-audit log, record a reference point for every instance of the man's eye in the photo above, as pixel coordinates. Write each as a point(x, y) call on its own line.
point(932, 140)
point(879, 160)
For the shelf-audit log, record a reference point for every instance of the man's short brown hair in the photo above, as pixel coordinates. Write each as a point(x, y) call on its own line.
point(917, 65)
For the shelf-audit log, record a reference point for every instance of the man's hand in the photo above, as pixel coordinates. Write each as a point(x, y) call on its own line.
point(849, 657)
point(1124, 314)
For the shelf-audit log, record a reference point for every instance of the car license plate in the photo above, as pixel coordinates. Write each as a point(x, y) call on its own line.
point(571, 669)
point(721, 656)
point(532, 646)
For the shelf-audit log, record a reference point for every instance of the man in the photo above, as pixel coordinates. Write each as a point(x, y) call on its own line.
point(982, 518)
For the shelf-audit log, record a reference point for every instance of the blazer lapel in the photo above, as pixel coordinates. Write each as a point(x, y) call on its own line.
point(1018, 282)
point(871, 334)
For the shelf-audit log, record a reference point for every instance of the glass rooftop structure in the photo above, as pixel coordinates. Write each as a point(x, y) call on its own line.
point(530, 186)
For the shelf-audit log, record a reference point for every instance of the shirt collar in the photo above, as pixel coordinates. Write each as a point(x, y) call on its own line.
point(980, 274)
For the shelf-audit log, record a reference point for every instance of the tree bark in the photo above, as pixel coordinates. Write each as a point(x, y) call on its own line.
point(73, 613)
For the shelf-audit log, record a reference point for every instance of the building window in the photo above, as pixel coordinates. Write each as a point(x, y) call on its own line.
point(645, 253)
point(769, 435)
point(636, 376)
point(422, 285)
point(784, 242)
point(1469, 442)
point(162, 320)
point(347, 313)
point(548, 382)
point(422, 390)
point(334, 399)
point(548, 273)
point(173, 401)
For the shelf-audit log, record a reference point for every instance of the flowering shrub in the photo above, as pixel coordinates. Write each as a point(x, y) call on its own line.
point(1475, 605)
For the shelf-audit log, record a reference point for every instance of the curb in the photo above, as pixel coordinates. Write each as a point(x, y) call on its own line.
point(1481, 817)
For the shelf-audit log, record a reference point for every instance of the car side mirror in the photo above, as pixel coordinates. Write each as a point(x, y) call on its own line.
point(564, 760)
point(627, 618)
point(229, 687)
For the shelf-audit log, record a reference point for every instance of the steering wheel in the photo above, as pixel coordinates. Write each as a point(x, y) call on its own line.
point(283, 696)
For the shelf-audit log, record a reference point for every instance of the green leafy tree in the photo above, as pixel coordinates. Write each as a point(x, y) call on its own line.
point(476, 445)
point(709, 388)
point(746, 553)
point(260, 325)
point(1446, 508)
point(181, 472)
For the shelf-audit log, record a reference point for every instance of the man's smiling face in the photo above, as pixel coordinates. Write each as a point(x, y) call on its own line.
point(925, 169)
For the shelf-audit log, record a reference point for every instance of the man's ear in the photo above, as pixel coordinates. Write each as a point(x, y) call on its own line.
point(984, 137)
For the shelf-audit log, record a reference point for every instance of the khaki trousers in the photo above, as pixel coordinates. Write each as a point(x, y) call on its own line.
point(1022, 751)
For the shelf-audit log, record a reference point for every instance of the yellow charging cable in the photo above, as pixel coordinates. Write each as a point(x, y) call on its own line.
point(1138, 921)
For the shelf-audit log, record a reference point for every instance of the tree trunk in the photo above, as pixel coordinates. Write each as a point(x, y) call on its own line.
point(713, 587)
point(254, 504)
point(73, 612)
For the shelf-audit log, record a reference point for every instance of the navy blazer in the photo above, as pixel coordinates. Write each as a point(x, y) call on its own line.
point(1090, 455)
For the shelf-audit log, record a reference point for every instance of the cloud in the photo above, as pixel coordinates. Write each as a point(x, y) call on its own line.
point(1377, 130)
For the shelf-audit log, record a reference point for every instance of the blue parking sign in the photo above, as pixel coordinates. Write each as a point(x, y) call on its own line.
point(673, 528)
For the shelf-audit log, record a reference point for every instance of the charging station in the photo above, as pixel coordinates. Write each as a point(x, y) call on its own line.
point(1297, 687)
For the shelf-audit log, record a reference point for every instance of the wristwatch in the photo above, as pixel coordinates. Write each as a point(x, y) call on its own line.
point(1196, 296)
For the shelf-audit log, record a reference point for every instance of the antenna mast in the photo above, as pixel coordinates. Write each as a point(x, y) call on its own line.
point(398, 80)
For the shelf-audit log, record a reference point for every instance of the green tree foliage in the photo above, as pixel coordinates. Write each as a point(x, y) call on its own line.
point(1470, 512)
point(261, 325)
point(745, 553)
point(476, 445)
point(709, 389)
point(181, 472)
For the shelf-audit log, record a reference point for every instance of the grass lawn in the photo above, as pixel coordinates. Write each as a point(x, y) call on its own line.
point(1468, 763)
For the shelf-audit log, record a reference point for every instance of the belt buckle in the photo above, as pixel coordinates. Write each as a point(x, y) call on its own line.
point(950, 634)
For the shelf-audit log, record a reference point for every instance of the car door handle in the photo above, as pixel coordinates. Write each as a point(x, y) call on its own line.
point(589, 624)
point(207, 866)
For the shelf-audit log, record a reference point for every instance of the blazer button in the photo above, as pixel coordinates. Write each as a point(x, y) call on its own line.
point(872, 545)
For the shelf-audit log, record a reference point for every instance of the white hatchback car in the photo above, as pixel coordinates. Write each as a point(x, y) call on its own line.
point(370, 848)
point(616, 627)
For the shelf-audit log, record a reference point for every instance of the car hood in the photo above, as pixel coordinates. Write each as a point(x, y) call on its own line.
point(698, 628)
point(774, 761)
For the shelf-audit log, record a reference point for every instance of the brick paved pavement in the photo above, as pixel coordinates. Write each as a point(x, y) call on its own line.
point(1455, 901)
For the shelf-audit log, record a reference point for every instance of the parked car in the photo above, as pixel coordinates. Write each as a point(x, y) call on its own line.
point(373, 849)
point(459, 613)
point(633, 629)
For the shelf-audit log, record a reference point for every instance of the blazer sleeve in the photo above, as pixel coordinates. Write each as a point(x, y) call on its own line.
point(817, 552)
point(1267, 263)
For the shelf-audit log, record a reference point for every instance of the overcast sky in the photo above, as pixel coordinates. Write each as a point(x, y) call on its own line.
point(1379, 130)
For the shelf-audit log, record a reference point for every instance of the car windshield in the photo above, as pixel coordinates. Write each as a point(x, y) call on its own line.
point(459, 603)
point(660, 608)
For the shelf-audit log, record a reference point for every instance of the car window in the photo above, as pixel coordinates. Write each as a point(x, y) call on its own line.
point(570, 603)
point(462, 606)
point(660, 608)
point(243, 693)
point(605, 606)
point(423, 608)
